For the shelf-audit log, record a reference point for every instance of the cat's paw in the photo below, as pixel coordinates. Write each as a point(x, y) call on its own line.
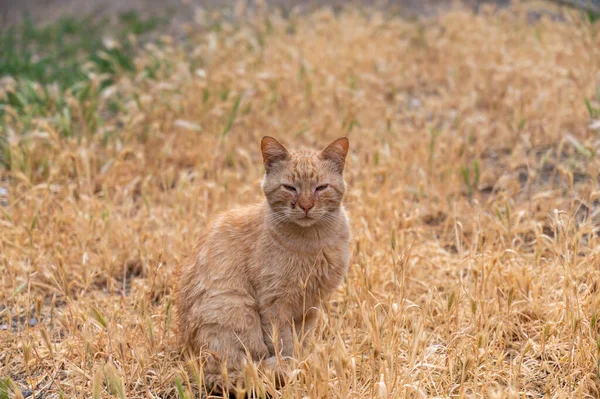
point(276, 369)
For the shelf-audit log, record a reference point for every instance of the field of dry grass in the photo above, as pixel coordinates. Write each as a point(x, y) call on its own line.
point(473, 195)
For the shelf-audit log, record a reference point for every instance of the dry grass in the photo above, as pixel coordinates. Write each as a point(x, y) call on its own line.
point(473, 195)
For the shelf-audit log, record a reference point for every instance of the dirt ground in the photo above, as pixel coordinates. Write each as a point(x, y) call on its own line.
point(49, 10)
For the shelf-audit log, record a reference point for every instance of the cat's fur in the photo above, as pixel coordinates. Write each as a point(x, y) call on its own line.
point(260, 272)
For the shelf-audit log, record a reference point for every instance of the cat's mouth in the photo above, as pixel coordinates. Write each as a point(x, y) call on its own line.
point(305, 220)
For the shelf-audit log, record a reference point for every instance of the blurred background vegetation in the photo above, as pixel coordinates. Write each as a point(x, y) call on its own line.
point(55, 50)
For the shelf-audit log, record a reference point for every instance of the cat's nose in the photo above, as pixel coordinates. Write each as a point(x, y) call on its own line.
point(306, 207)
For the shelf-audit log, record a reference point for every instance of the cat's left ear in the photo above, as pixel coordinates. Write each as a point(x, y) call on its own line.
point(336, 153)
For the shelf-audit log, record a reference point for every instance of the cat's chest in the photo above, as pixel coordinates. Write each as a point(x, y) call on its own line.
point(304, 275)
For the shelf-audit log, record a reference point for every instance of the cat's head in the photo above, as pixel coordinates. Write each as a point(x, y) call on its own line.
point(304, 187)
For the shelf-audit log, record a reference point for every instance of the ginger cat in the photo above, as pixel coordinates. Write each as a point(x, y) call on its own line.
point(259, 273)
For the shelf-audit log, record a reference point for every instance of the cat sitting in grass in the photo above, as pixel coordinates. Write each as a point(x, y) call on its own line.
point(259, 273)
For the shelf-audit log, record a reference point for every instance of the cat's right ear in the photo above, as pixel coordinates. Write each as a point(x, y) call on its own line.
point(336, 153)
point(272, 151)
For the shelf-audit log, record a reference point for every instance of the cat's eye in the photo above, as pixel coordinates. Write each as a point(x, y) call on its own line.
point(289, 188)
point(322, 187)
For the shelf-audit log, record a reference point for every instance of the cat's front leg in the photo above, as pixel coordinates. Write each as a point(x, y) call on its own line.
point(277, 330)
point(305, 325)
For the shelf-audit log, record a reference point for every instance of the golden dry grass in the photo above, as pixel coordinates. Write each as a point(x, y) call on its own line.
point(473, 196)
